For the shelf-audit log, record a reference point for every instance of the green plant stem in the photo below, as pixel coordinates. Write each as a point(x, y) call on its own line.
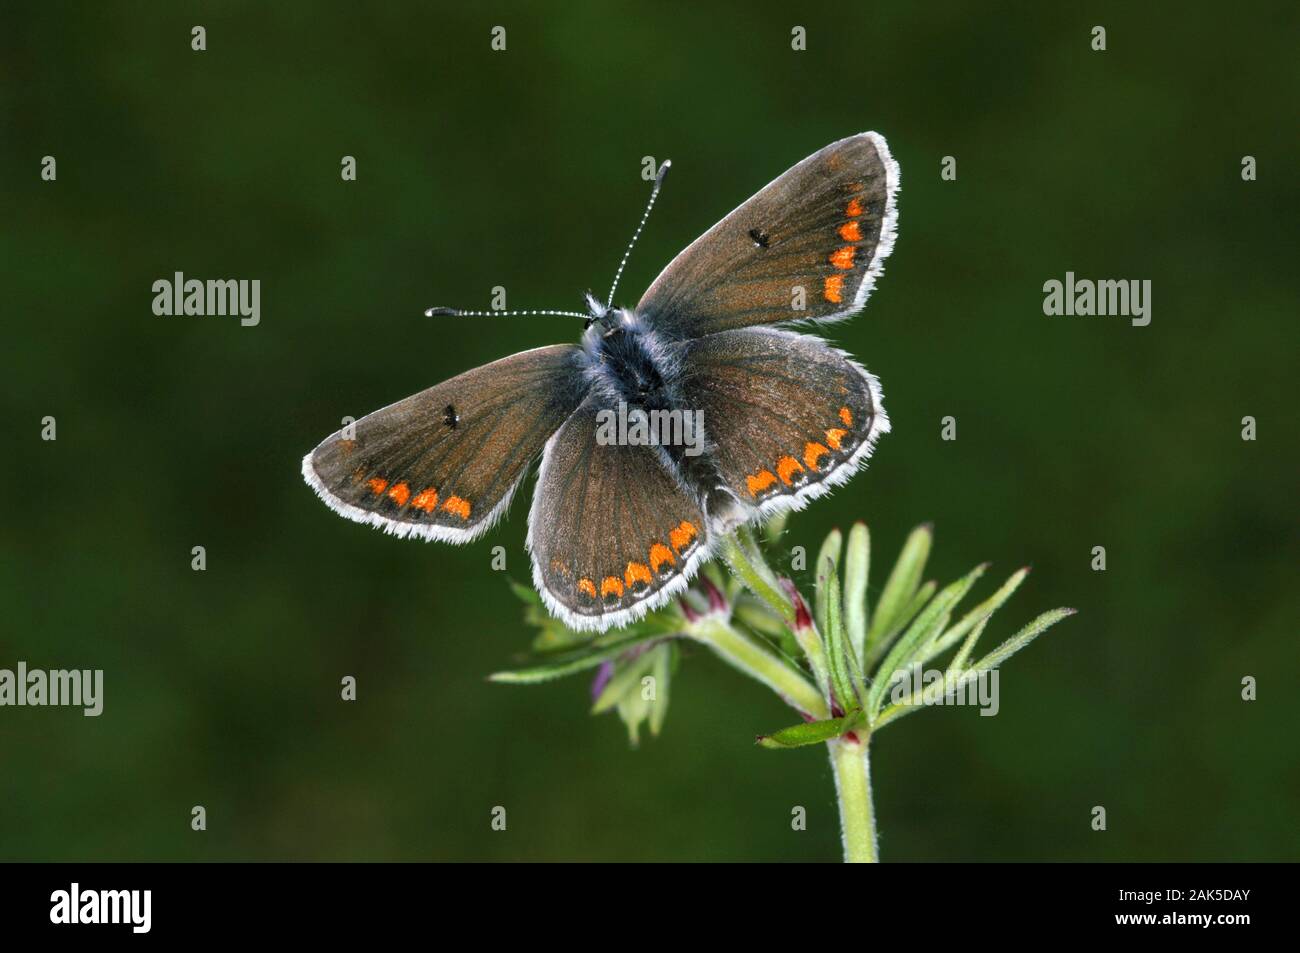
point(851, 763)
point(756, 577)
point(760, 663)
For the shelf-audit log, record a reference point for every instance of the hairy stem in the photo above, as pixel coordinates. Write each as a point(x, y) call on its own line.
point(756, 576)
point(851, 763)
point(760, 663)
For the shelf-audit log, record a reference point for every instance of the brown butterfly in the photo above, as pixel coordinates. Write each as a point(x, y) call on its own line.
point(618, 526)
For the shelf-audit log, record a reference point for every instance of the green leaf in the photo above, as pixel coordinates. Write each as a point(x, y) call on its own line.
point(974, 620)
point(567, 663)
point(900, 587)
point(665, 663)
point(775, 527)
point(927, 624)
point(763, 623)
point(527, 594)
point(1022, 638)
point(959, 660)
point(812, 732)
point(857, 563)
point(829, 554)
point(837, 646)
point(919, 600)
point(625, 682)
point(907, 705)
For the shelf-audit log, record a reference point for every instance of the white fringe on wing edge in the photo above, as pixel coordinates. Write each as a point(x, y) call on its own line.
point(425, 531)
point(655, 599)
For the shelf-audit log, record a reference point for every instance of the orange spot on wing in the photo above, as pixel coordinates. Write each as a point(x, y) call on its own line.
point(850, 232)
point(833, 290)
point(659, 555)
point(842, 258)
point(587, 587)
point(812, 452)
point(846, 415)
point(637, 574)
point(458, 506)
point(377, 484)
point(682, 536)
point(426, 500)
point(833, 437)
point(399, 493)
point(760, 481)
point(347, 446)
point(611, 585)
point(854, 208)
point(787, 467)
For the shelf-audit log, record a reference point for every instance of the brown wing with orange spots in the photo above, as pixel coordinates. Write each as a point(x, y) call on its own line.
point(786, 416)
point(444, 463)
point(808, 246)
point(612, 532)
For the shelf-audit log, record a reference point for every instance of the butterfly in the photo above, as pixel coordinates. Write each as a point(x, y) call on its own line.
point(618, 527)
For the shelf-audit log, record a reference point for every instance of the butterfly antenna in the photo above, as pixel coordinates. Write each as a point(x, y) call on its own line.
point(654, 194)
point(461, 313)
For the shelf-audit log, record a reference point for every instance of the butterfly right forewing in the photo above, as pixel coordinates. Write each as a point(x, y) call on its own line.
point(808, 246)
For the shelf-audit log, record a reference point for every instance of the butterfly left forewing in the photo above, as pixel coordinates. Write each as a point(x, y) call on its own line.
point(444, 463)
point(808, 246)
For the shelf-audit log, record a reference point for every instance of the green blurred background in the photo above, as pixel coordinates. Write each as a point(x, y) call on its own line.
point(522, 169)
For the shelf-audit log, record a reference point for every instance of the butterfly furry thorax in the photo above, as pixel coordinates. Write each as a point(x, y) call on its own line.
point(626, 360)
point(617, 527)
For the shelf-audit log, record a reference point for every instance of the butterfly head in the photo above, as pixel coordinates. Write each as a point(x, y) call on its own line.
point(598, 313)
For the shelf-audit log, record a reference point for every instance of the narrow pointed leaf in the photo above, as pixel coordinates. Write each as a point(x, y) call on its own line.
point(980, 614)
point(813, 732)
point(926, 625)
point(919, 600)
point(567, 663)
point(905, 705)
point(857, 565)
point(526, 594)
point(1022, 638)
point(626, 682)
point(828, 556)
point(963, 654)
point(837, 643)
point(901, 585)
point(665, 662)
point(775, 526)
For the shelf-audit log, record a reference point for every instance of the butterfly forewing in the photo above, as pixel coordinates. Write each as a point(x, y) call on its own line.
point(612, 531)
point(787, 415)
point(444, 463)
point(808, 246)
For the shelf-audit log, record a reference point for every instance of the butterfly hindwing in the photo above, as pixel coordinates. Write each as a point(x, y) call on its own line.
point(444, 463)
point(612, 531)
point(786, 415)
point(807, 246)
